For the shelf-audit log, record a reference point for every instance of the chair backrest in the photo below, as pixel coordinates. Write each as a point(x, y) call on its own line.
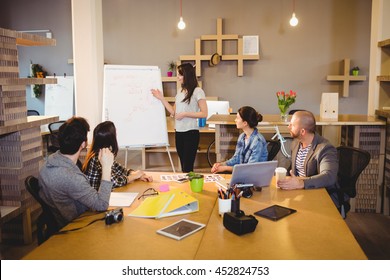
point(53, 128)
point(32, 113)
point(352, 162)
point(273, 147)
point(47, 224)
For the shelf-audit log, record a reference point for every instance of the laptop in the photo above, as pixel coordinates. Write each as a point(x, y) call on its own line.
point(258, 174)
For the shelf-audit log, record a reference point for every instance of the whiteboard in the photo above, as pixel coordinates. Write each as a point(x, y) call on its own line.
point(138, 116)
point(59, 98)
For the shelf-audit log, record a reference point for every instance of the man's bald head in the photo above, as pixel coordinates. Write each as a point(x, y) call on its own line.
point(306, 120)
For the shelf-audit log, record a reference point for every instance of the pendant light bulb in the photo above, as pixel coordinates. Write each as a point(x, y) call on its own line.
point(293, 20)
point(181, 25)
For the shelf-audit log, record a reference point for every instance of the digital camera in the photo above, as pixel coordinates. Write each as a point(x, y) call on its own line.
point(114, 216)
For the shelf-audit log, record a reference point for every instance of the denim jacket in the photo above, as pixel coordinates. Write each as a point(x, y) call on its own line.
point(255, 151)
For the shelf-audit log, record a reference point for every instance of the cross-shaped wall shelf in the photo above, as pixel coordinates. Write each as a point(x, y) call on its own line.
point(198, 57)
point(346, 78)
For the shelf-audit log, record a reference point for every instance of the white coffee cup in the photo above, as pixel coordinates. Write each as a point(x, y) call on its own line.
point(280, 173)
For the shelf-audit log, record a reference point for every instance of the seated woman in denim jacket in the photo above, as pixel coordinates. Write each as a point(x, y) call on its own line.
point(251, 145)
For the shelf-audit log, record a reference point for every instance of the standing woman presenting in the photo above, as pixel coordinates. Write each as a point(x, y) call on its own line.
point(190, 104)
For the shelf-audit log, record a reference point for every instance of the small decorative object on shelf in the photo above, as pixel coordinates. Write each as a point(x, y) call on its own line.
point(37, 71)
point(355, 71)
point(171, 68)
point(285, 100)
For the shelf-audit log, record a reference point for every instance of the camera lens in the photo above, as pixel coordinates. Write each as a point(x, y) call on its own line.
point(247, 192)
point(109, 219)
point(118, 217)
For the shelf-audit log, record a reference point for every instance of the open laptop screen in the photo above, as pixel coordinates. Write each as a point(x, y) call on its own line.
point(258, 173)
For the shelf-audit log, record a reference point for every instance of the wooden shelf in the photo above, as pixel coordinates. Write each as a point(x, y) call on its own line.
point(169, 79)
point(220, 37)
point(27, 81)
point(25, 39)
point(383, 78)
point(384, 43)
point(346, 78)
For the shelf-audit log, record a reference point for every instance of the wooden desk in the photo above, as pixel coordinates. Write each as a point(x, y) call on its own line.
point(317, 231)
point(361, 131)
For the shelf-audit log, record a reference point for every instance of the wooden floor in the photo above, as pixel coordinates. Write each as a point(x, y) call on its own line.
point(372, 231)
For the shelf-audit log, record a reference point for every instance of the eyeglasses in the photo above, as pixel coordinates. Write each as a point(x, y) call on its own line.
point(148, 192)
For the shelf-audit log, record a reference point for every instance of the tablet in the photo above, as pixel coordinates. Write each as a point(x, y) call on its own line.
point(275, 212)
point(181, 229)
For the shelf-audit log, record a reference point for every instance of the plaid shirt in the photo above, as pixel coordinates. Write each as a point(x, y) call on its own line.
point(255, 151)
point(94, 173)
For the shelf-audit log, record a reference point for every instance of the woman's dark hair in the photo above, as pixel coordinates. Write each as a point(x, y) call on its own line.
point(250, 115)
point(189, 80)
point(72, 134)
point(104, 136)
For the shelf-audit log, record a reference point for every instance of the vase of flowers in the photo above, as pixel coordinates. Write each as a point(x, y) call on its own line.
point(285, 100)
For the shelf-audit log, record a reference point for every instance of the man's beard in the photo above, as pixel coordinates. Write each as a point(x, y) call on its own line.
point(296, 135)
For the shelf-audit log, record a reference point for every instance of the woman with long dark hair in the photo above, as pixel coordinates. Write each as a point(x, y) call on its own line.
point(251, 145)
point(190, 104)
point(104, 136)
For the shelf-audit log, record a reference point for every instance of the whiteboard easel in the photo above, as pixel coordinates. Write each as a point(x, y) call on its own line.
point(169, 155)
point(138, 116)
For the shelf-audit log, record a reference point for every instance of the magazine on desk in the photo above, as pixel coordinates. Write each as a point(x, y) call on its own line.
point(181, 229)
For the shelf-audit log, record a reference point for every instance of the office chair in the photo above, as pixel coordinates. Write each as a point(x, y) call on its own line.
point(46, 223)
point(32, 113)
point(291, 112)
point(273, 147)
point(54, 144)
point(352, 162)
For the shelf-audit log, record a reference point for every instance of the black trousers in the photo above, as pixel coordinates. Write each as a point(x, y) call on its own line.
point(186, 146)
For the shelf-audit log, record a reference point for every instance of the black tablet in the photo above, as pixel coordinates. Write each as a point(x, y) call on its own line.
point(275, 212)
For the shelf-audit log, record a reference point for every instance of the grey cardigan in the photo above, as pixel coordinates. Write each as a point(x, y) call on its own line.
point(67, 190)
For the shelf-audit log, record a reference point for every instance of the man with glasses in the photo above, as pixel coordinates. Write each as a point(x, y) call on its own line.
point(63, 186)
point(314, 162)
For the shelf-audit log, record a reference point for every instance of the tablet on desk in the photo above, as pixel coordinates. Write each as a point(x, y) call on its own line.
point(181, 229)
point(275, 212)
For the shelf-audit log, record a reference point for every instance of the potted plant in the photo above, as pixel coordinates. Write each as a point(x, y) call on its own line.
point(196, 181)
point(355, 71)
point(37, 71)
point(171, 68)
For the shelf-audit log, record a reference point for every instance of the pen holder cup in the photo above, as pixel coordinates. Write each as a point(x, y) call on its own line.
point(235, 206)
point(224, 205)
point(196, 183)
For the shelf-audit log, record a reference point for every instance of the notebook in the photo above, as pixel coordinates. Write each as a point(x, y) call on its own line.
point(258, 173)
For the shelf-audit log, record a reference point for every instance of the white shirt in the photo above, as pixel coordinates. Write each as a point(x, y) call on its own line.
point(187, 124)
